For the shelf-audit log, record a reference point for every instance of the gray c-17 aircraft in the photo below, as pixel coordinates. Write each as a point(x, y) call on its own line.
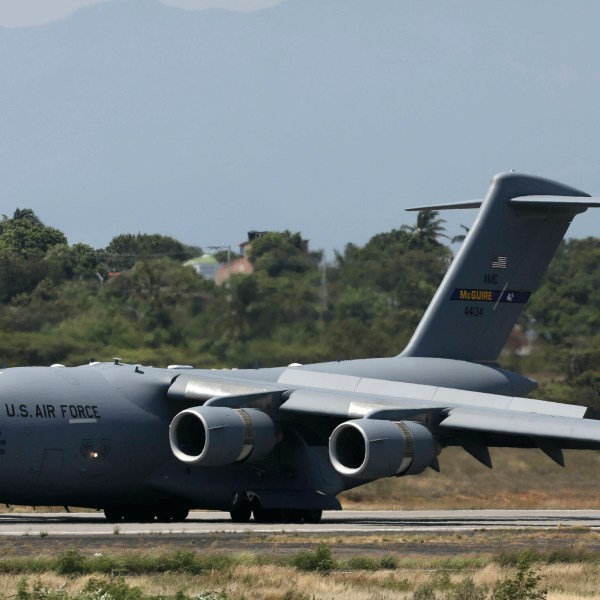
point(281, 443)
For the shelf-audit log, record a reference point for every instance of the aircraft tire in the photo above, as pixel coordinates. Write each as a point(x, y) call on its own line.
point(164, 514)
point(170, 513)
point(137, 514)
point(312, 515)
point(179, 513)
point(290, 515)
point(113, 514)
point(241, 513)
point(267, 515)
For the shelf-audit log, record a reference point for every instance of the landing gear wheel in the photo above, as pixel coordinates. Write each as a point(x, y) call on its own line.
point(168, 514)
point(179, 513)
point(291, 515)
point(267, 515)
point(163, 514)
point(138, 515)
point(241, 513)
point(113, 514)
point(312, 515)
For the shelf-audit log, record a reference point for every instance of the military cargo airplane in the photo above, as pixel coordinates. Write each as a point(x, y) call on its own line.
point(280, 444)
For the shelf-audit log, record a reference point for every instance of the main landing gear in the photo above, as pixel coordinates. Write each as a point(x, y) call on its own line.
point(242, 513)
point(146, 514)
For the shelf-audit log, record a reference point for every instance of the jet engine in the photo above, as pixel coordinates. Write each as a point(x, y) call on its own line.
point(369, 449)
point(216, 436)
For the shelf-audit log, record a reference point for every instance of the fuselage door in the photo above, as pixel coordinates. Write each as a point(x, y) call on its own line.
point(51, 468)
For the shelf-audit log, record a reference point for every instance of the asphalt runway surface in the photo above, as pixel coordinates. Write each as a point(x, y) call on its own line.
point(349, 522)
point(375, 534)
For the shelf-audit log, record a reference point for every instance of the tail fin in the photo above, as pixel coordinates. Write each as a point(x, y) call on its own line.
point(519, 227)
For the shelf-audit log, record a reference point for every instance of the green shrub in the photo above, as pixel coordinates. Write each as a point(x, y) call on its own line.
point(71, 562)
point(39, 592)
point(208, 595)
point(296, 595)
point(523, 586)
point(111, 589)
point(388, 562)
point(425, 592)
point(467, 589)
point(361, 563)
point(319, 560)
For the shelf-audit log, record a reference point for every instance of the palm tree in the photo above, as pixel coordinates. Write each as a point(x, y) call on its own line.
point(25, 214)
point(461, 237)
point(427, 230)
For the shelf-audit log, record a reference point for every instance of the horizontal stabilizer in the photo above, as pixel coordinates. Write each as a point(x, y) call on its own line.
point(531, 201)
point(451, 206)
point(557, 201)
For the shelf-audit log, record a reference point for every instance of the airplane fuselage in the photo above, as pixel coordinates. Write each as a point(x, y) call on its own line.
point(88, 435)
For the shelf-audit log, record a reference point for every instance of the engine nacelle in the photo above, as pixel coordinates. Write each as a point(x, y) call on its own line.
point(216, 436)
point(369, 449)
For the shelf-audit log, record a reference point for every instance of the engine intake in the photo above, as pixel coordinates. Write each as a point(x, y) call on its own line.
point(216, 436)
point(369, 449)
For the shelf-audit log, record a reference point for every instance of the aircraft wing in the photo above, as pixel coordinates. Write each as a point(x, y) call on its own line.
point(520, 418)
point(493, 419)
point(506, 422)
point(459, 418)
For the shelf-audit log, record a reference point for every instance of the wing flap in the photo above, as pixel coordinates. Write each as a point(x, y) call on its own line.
point(523, 424)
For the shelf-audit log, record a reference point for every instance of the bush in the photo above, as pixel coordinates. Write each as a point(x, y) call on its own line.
point(524, 585)
point(208, 595)
point(111, 589)
point(425, 592)
point(71, 562)
point(361, 563)
point(467, 590)
point(388, 562)
point(320, 560)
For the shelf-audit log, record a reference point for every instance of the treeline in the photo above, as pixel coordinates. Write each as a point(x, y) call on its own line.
point(134, 299)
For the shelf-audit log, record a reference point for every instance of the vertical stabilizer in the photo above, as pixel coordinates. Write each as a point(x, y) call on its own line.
point(517, 231)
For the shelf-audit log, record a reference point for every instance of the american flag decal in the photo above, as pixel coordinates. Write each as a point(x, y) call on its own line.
point(499, 262)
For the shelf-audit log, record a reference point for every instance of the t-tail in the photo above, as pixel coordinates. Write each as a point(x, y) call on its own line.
point(520, 224)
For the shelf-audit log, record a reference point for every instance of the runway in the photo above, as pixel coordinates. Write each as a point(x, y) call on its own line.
point(343, 522)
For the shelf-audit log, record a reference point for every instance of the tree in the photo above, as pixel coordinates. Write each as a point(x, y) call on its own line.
point(124, 250)
point(24, 242)
point(460, 237)
point(22, 214)
point(26, 235)
point(277, 252)
point(427, 229)
point(64, 262)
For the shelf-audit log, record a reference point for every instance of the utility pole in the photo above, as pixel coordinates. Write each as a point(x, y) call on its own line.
point(323, 289)
point(228, 248)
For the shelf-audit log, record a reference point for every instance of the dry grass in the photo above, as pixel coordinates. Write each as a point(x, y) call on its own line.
point(273, 582)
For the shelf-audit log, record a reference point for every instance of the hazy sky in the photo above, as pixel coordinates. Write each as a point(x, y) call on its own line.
point(327, 117)
point(26, 13)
